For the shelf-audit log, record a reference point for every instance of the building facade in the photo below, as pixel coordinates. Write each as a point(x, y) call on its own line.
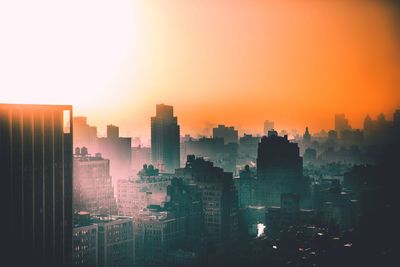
point(279, 169)
point(156, 233)
point(36, 172)
point(93, 190)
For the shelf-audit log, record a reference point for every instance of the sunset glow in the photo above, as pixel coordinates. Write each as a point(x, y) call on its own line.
point(294, 62)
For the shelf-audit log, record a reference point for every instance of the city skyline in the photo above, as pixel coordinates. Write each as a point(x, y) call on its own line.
point(200, 133)
point(292, 133)
point(269, 61)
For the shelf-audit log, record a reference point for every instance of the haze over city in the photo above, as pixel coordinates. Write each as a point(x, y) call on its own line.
point(149, 133)
point(233, 62)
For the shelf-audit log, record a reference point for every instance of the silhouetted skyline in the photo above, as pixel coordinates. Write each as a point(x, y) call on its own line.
point(217, 62)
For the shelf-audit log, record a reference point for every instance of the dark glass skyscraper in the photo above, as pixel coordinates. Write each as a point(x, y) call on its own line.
point(36, 175)
point(165, 146)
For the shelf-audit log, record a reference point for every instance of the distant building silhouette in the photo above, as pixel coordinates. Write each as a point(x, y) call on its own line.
point(307, 137)
point(84, 134)
point(341, 123)
point(229, 134)
point(165, 146)
point(276, 153)
point(213, 149)
point(118, 150)
point(396, 119)
point(36, 174)
point(279, 169)
point(268, 126)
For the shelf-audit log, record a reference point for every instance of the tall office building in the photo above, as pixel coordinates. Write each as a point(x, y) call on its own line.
point(36, 174)
point(279, 169)
point(341, 123)
point(84, 134)
point(307, 137)
point(165, 146)
point(278, 157)
point(118, 150)
point(185, 200)
point(219, 201)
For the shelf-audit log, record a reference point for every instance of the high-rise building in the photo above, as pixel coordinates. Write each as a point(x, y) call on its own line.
point(341, 123)
point(307, 137)
point(165, 146)
point(84, 134)
point(36, 174)
point(279, 169)
point(268, 126)
point(118, 150)
point(93, 190)
point(278, 157)
point(229, 134)
point(219, 200)
point(185, 201)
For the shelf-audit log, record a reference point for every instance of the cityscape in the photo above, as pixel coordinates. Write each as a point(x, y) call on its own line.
point(274, 177)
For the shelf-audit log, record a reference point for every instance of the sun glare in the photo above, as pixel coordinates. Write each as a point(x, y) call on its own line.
point(51, 47)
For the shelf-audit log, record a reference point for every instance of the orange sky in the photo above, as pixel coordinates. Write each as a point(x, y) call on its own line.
point(233, 62)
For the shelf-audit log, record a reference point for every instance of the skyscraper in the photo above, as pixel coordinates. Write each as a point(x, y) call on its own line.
point(84, 134)
point(219, 200)
point(36, 174)
point(278, 157)
point(279, 169)
point(307, 137)
point(165, 147)
point(341, 123)
point(118, 150)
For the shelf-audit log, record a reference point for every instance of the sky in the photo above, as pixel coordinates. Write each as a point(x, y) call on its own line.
point(233, 62)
